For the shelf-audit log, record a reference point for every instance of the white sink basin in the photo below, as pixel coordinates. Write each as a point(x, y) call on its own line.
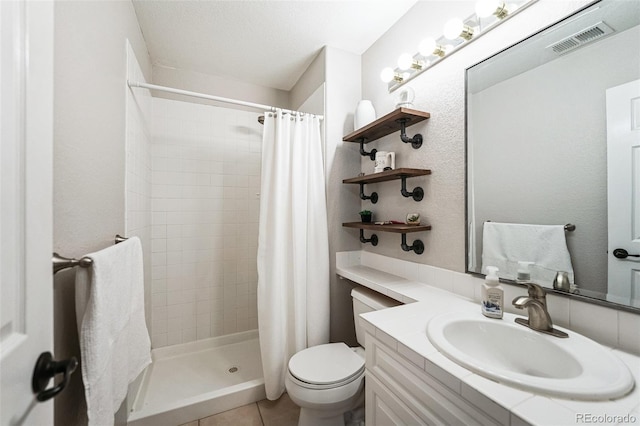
point(509, 353)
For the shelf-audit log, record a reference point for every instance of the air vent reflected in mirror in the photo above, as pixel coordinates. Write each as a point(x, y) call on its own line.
point(581, 38)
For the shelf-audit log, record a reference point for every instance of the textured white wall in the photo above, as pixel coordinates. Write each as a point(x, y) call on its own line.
point(340, 73)
point(341, 160)
point(89, 153)
point(314, 104)
point(309, 81)
point(216, 86)
point(440, 91)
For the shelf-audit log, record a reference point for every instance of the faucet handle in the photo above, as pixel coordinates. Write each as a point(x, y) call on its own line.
point(536, 291)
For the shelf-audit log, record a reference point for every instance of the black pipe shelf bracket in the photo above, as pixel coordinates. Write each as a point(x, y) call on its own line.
point(373, 240)
point(417, 194)
point(417, 246)
point(371, 154)
point(399, 119)
point(415, 141)
point(403, 174)
point(373, 197)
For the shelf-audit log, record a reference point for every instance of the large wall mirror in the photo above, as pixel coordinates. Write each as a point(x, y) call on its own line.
point(553, 139)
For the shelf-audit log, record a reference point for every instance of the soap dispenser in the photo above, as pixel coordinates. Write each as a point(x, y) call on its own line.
point(492, 294)
point(524, 275)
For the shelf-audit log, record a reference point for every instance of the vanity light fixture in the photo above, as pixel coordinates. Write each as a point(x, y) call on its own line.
point(457, 34)
point(388, 75)
point(486, 8)
point(429, 46)
point(406, 62)
point(456, 28)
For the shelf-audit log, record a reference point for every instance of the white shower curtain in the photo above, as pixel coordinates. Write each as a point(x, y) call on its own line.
point(293, 246)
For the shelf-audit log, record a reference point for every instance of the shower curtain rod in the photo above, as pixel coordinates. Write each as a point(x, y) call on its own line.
point(212, 98)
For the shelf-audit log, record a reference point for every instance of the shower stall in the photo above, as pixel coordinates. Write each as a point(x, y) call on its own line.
point(192, 195)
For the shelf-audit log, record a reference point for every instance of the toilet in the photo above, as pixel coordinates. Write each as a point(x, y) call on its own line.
point(327, 381)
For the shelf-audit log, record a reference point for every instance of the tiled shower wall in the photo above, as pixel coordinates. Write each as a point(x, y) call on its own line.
point(204, 233)
point(138, 170)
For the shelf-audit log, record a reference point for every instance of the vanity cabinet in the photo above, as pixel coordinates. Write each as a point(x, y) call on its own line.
point(397, 392)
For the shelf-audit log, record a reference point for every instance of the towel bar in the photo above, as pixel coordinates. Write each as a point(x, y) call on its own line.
point(569, 227)
point(61, 262)
point(120, 238)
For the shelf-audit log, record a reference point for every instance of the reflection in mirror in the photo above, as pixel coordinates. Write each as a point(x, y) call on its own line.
point(550, 121)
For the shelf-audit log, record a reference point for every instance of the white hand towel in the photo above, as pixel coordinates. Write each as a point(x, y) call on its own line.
point(505, 244)
point(114, 341)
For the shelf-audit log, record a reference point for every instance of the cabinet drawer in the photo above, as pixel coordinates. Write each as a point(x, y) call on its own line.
point(383, 408)
point(421, 393)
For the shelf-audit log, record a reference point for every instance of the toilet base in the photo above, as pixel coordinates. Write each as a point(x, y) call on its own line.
point(354, 414)
point(355, 417)
point(310, 417)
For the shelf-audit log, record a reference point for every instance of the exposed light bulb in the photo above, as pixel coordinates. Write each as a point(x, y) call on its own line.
point(404, 61)
point(486, 8)
point(387, 75)
point(427, 46)
point(455, 28)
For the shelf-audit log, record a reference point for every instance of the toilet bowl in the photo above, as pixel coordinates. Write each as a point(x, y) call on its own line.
point(327, 381)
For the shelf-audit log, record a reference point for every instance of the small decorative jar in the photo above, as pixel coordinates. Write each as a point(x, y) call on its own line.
point(413, 219)
point(365, 114)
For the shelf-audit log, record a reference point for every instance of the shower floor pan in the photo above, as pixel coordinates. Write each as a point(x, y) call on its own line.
point(198, 379)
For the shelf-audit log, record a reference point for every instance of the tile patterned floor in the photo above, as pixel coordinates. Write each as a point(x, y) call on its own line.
point(282, 412)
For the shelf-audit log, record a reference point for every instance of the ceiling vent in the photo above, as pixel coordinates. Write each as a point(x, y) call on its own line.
point(581, 38)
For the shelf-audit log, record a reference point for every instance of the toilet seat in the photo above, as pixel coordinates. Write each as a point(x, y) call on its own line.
point(326, 366)
point(326, 386)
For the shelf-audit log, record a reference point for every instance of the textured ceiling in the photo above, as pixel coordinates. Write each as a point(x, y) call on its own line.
point(268, 43)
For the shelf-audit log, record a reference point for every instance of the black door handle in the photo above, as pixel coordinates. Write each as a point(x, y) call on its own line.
point(621, 253)
point(46, 369)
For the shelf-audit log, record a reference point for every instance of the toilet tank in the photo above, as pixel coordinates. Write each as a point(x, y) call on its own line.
point(367, 300)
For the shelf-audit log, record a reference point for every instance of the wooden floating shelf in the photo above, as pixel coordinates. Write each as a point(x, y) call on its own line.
point(395, 228)
point(386, 125)
point(388, 175)
point(417, 247)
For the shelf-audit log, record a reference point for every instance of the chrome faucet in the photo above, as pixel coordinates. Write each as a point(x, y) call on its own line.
point(536, 304)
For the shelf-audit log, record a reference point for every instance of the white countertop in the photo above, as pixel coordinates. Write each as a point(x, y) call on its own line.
point(404, 329)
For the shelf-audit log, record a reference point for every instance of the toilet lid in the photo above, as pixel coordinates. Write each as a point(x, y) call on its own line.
point(326, 364)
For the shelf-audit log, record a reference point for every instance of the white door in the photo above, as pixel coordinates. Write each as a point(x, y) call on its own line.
point(26, 142)
point(623, 170)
